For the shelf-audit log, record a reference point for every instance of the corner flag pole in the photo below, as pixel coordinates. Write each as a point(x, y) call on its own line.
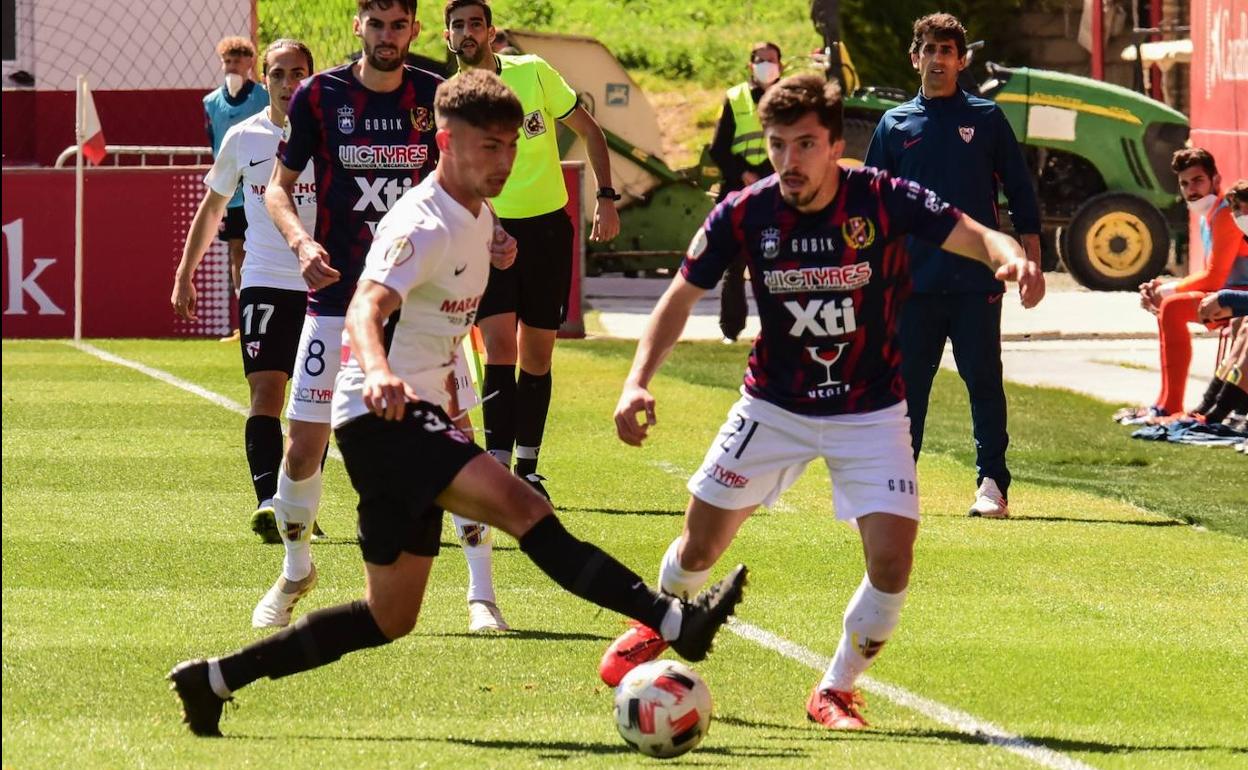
point(79, 138)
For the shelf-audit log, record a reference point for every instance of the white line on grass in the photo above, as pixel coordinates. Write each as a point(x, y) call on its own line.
point(177, 382)
point(939, 712)
point(946, 715)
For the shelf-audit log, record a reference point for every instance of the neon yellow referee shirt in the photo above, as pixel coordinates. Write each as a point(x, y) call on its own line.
point(535, 186)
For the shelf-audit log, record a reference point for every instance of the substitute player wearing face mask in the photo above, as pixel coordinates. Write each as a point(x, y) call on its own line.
point(741, 155)
point(1175, 302)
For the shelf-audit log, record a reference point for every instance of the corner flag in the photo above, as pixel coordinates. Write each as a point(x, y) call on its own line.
point(90, 133)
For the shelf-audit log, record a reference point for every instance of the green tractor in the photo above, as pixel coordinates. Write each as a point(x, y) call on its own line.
point(1100, 155)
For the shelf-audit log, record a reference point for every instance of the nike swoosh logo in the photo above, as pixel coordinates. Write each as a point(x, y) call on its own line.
point(460, 270)
point(912, 142)
point(262, 475)
point(258, 162)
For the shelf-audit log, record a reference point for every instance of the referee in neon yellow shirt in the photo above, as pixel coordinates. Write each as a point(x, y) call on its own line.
point(524, 306)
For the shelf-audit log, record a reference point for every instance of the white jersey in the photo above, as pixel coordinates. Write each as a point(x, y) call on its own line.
point(246, 156)
point(436, 255)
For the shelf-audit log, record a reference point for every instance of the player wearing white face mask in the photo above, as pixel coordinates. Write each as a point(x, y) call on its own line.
point(740, 153)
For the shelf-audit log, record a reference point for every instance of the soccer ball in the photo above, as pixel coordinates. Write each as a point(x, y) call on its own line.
point(662, 708)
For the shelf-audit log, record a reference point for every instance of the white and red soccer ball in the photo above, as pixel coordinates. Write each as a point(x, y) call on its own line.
point(663, 708)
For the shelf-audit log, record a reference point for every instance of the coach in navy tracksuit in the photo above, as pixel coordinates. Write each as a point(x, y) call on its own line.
point(961, 147)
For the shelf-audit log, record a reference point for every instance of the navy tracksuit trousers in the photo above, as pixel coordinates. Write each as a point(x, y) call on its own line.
point(973, 323)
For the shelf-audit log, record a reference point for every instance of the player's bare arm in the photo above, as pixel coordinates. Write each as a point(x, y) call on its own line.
point(503, 247)
point(666, 323)
point(606, 218)
point(1001, 253)
point(198, 239)
point(385, 393)
point(280, 202)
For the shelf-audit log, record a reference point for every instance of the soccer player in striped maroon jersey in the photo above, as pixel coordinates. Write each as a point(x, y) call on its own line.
point(824, 250)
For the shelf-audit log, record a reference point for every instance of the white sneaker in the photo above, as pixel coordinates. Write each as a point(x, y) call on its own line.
point(274, 609)
point(484, 617)
point(989, 502)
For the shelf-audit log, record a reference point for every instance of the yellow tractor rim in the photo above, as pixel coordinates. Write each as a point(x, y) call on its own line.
point(1119, 244)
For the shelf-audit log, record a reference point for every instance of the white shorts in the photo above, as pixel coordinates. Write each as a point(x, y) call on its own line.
point(762, 450)
point(316, 367)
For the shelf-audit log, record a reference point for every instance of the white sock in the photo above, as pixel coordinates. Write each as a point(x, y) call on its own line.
point(216, 680)
point(503, 456)
point(295, 508)
point(477, 541)
point(676, 580)
point(669, 629)
point(266, 504)
point(870, 619)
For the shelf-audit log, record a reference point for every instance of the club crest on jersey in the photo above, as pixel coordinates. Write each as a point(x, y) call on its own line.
point(770, 243)
point(967, 133)
point(858, 232)
point(534, 124)
point(400, 251)
point(422, 119)
point(346, 119)
point(253, 349)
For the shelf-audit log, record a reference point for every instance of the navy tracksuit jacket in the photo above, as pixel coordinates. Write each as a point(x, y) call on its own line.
point(962, 148)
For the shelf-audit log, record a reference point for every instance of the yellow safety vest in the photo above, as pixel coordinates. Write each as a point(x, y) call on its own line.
point(748, 141)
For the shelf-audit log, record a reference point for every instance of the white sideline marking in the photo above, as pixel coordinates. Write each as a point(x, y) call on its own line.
point(946, 715)
point(177, 382)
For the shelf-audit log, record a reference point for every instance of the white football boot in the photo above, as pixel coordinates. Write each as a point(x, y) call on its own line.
point(989, 502)
point(274, 609)
point(485, 617)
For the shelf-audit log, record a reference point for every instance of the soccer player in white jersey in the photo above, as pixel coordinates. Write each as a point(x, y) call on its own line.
point(406, 459)
point(273, 294)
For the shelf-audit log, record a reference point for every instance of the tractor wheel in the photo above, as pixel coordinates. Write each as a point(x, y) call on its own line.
point(1115, 242)
point(857, 133)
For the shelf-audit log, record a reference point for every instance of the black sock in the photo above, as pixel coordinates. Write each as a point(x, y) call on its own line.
point(1230, 399)
point(500, 410)
point(316, 639)
point(587, 571)
point(263, 437)
point(532, 405)
point(1210, 398)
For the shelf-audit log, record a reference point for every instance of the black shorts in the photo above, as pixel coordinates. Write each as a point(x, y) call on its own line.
point(233, 225)
point(536, 287)
point(399, 468)
point(270, 322)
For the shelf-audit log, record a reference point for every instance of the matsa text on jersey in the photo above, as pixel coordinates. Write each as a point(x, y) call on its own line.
point(304, 193)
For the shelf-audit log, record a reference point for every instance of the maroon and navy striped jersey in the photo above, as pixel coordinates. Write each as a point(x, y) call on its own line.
point(367, 148)
point(829, 286)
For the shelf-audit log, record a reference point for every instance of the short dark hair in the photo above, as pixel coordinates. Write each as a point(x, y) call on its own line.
point(455, 5)
point(1194, 156)
point(763, 45)
point(941, 26)
point(235, 46)
point(788, 101)
point(1238, 191)
point(479, 98)
point(283, 43)
point(384, 5)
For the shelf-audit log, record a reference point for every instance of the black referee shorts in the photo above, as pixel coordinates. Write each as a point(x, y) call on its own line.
point(536, 287)
point(399, 468)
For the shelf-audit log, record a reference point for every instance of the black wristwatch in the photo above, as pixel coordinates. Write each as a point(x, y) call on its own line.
point(609, 193)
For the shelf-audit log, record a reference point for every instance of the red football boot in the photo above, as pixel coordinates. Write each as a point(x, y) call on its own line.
point(836, 710)
point(639, 644)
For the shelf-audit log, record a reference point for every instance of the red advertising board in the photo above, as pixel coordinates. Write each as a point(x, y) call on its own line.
point(1220, 89)
point(134, 223)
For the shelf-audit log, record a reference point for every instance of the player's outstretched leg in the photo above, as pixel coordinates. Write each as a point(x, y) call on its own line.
point(483, 491)
point(872, 614)
point(477, 542)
